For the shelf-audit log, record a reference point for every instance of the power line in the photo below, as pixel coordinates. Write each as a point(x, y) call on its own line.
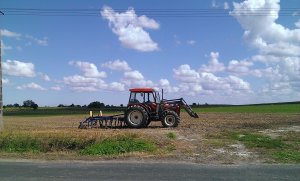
point(184, 13)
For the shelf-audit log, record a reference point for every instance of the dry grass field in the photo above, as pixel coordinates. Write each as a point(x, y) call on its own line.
point(227, 138)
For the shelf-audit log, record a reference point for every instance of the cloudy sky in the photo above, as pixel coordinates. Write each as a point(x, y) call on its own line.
point(211, 51)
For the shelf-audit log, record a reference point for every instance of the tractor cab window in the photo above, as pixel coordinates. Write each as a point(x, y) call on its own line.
point(157, 97)
point(150, 97)
point(137, 97)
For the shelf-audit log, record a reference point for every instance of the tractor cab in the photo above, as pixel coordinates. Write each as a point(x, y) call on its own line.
point(147, 98)
point(143, 95)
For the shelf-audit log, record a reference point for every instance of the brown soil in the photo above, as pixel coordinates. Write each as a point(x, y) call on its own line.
point(195, 138)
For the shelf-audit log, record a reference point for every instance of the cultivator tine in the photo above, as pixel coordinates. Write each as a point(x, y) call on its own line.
point(115, 121)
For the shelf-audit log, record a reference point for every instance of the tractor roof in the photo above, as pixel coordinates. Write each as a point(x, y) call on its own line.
point(141, 90)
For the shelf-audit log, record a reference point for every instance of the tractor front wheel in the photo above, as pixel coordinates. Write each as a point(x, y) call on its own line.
point(170, 119)
point(136, 117)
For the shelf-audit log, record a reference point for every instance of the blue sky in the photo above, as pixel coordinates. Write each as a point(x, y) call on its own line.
point(248, 54)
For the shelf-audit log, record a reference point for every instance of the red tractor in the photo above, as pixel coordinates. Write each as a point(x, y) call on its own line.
point(145, 105)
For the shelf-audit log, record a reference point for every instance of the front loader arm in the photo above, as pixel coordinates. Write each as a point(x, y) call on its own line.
point(182, 102)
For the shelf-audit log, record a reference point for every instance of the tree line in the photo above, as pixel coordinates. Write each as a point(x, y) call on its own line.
point(32, 104)
point(27, 104)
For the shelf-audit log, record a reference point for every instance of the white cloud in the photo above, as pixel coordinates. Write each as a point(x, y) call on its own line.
point(193, 83)
point(116, 86)
point(81, 83)
point(119, 65)
point(31, 85)
point(10, 34)
point(41, 42)
point(238, 84)
point(5, 47)
point(214, 4)
point(243, 67)
point(186, 74)
point(264, 33)
point(56, 88)
point(213, 65)
point(45, 77)
point(88, 69)
point(130, 29)
point(91, 78)
point(211, 82)
point(133, 75)
point(283, 70)
point(297, 24)
point(135, 78)
point(5, 81)
point(190, 89)
point(18, 68)
point(191, 42)
point(278, 46)
point(165, 84)
point(226, 5)
point(91, 84)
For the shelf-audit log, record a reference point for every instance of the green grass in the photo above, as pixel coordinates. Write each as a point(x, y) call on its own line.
point(171, 135)
point(53, 111)
point(251, 140)
point(287, 156)
point(276, 108)
point(111, 146)
point(270, 108)
point(118, 146)
point(20, 143)
point(283, 149)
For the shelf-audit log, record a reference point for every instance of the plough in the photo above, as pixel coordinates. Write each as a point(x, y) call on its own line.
point(113, 121)
point(144, 106)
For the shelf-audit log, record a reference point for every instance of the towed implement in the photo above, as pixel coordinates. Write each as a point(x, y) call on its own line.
point(144, 106)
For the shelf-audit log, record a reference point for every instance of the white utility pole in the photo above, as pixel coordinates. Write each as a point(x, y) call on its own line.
point(1, 95)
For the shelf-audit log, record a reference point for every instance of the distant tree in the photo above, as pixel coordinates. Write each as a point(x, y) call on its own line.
point(31, 104)
point(72, 105)
point(16, 105)
point(194, 105)
point(121, 105)
point(61, 105)
point(28, 103)
point(35, 106)
point(77, 105)
point(96, 104)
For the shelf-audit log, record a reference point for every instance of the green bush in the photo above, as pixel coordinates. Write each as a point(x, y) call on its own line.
point(115, 146)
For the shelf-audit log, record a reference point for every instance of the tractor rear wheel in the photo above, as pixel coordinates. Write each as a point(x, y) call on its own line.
point(136, 117)
point(170, 119)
